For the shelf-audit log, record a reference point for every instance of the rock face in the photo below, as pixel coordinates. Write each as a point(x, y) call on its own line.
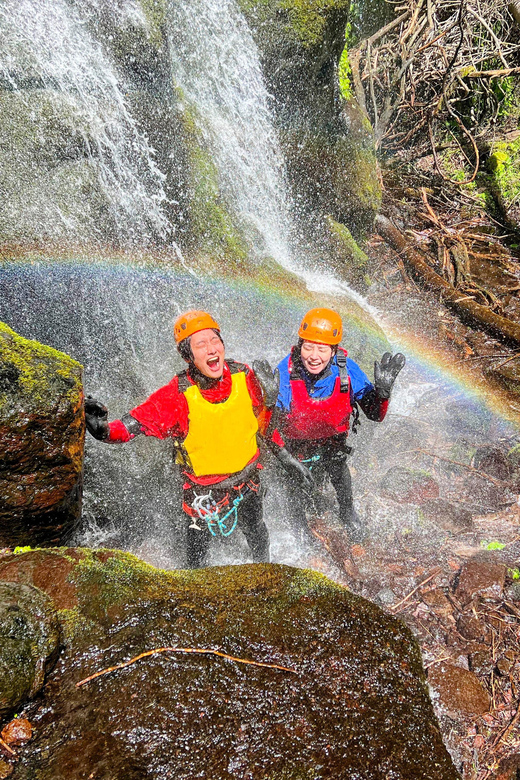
point(327, 141)
point(42, 432)
point(29, 641)
point(354, 705)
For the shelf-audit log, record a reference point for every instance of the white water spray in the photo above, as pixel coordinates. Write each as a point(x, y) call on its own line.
point(70, 88)
point(215, 63)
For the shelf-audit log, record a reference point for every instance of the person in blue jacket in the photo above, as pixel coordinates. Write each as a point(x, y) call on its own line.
point(319, 391)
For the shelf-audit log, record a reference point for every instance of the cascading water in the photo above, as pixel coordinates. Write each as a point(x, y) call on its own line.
point(216, 65)
point(61, 88)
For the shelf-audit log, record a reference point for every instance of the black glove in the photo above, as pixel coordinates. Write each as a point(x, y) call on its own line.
point(269, 382)
point(96, 418)
point(294, 467)
point(385, 373)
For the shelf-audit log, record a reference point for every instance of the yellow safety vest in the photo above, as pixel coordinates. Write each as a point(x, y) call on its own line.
point(221, 437)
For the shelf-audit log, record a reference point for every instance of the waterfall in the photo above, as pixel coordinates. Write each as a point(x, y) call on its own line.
point(216, 66)
point(61, 90)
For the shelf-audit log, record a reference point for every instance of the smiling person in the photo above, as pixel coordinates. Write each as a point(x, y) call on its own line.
point(213, 411)
point(320, 388)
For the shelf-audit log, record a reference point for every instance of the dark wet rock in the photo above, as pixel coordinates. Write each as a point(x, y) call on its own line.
point(509, 768)
point(356, 707)
point(407, 486)
point(480, 578)
point(472, 628)
point(480, 661)
point(492, 461)
point(42, 432)
point(29, 642)
point(460, 692)
point(513, 591)
point(451, 517)
point(504, 665)
point(437, 600)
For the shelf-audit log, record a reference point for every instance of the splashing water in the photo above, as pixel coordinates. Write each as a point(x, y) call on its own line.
point(61, 85)
point(216, 65)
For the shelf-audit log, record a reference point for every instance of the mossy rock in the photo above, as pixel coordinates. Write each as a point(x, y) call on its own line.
point(331, 685)
point(49, 182)
point(29, 643)
point(42, 431)
point(212, 228)
point(349, 258)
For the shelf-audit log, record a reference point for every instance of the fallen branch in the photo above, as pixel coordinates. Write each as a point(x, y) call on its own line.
point(491, 74)
point(435, 573)
point(6, 747)
point(494, 480)
point(201, 651)
point(475, 313)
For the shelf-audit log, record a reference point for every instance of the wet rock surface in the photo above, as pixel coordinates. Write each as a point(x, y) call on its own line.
point(42, 432)
point(29, 642)
point(355, 704)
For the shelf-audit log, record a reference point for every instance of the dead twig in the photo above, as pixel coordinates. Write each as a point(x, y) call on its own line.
point(6, 747)
point(435, 573)
point(200, 651)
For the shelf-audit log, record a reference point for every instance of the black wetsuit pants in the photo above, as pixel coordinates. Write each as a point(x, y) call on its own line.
point(250, 522)
point(331, 464)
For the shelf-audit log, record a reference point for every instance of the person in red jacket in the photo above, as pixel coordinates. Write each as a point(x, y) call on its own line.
point(320, 388)
point(213, 411)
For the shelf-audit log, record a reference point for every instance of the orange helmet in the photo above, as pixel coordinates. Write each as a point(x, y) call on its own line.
point(191, 322)
point(322, 326)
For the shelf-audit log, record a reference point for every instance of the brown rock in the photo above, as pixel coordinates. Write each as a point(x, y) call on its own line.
point(450, 517)
point(459, 691)
point(17, 732)
point(480, 578)
point(437, 600)
point(407, 486)
point(6, 770)
point(472, 628)
point(509, 768)
point(42, 431)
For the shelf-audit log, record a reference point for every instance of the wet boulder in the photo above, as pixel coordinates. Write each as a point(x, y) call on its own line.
point(42, 432)
point(29, 643)
point(480, 578)
point(409, 486)
point(451, 517)
point(249, 671)
point(460, 692)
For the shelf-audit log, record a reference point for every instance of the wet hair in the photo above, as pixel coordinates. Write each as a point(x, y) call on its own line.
point(184, 347)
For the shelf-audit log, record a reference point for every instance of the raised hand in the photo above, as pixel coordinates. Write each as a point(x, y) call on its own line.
point(386, 371)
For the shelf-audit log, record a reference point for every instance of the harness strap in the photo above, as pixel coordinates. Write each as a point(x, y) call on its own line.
point(207, 509)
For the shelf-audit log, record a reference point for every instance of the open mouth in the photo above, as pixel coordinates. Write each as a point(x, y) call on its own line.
point(213, 363)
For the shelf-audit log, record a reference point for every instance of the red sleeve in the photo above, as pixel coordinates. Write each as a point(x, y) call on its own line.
point(118, 432)
point(164, 413)
point(262, 414)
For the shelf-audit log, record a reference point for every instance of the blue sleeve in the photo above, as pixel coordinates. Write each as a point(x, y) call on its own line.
point(358, 379)
point(284, 393)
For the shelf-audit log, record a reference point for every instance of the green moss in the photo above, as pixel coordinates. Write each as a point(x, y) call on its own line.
point(32, 371)
point(345, 73)
point(504, 164)
point(347, 248)
point(307, 19)
point(212, 226)
point(155, 13)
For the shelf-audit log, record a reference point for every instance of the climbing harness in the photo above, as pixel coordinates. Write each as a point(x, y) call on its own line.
point(312, 460)
point(207, 509)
